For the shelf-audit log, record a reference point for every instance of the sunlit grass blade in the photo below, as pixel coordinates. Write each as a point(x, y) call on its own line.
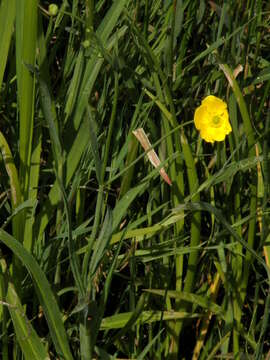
point(12, 172)
point(120, 320)
point(15, 189)
point(7, 18)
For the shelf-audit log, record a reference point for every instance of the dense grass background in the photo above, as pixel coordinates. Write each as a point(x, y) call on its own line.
point(100, 258)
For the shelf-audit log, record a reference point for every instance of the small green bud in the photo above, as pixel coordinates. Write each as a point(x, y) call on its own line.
point(86, 44)
point(53, 9)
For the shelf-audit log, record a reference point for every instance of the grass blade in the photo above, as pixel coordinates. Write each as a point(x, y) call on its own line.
point(7, 17)
point(26, 36)
point(30, 343)
point(44, 293)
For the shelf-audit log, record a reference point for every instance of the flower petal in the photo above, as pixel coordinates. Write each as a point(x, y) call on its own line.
point(207, 135)
point(227, 127)
point(214, 104)
point(219, 134)
point(201, 117)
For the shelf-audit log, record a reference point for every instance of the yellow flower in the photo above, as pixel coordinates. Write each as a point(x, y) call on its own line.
point(212, 119)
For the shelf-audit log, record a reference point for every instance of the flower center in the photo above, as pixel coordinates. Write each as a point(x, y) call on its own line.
point(216, 121)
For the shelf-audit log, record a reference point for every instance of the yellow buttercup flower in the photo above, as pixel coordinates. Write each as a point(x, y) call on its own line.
point(212, 119)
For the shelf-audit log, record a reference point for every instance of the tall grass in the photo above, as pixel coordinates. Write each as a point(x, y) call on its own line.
point(100, 257)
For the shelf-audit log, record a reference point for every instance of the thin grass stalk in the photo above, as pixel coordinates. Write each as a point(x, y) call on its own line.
point(7, 17)
point(98, 211)
point(11, 171)
point(58, 158)
point(194, 237)
point(3, 315)
point(237, 260)
point(15, 189)
point(146, 18)
point(258, 11)
point(131, 157)
point(214, 288)
point(132, 153)
point(89, 17)
point(237, 267)
point(33, 185)
point(253, 196)
point(26, 54)
point(170, 52)
point(111, 126)
point(264, 327)
point(196, 219)
point(266, 248)
point(179, 226)
point(266, 179)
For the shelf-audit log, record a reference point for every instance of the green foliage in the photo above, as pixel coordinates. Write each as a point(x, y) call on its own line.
point(99, 257)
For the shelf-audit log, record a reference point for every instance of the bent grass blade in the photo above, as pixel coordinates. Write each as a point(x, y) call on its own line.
point(151, 154)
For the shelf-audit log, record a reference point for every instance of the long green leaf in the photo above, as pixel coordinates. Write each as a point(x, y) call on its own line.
point(45, 294)
point(26, 35)
point(7, 17)
point(14, 184)
point(200, 300)
point(31, 345)
point(120, 320)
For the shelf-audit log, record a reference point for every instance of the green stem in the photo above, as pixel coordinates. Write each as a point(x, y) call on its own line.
point(93, 234)
point(4, 312)
point(16, 199)
point(111, 126)
point(46, 104)
point(98, 211)
point(171, 44)
point(146, 18)
point(26, 18)
point(196, 219)
point(11, 171)
point(89, 17)
point(253, 196)
point(194, 237)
